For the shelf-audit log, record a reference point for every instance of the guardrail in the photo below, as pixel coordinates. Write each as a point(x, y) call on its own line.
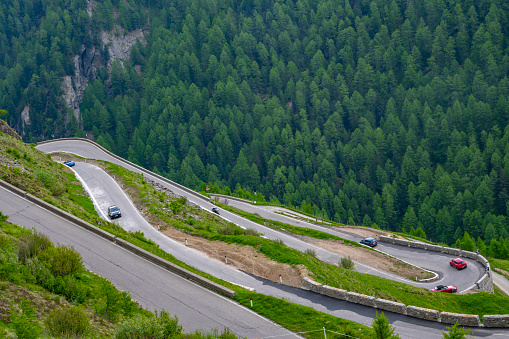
point(128, 246)
point(138, 167)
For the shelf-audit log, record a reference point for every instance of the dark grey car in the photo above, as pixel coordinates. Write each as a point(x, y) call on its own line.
point(114, 212)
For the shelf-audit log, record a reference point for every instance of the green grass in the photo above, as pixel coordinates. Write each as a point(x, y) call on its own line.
point(193, 220)
point(499, 263)
point(208, 225)
point(17, 281)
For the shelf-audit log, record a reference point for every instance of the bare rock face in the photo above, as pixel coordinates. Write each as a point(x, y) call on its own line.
point(119, 46)
point(86, 68)
point(91, 60)
point(6, 129)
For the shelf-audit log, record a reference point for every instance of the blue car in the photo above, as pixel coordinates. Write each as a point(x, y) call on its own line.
point(369, 241)
point(69, 163)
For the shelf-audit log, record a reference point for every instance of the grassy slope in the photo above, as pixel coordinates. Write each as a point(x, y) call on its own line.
point(478, 303)
point(33, 167)
point(44, 300)
point(198, 222)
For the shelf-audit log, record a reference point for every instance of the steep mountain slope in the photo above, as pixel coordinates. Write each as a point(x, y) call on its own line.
point(362, 112)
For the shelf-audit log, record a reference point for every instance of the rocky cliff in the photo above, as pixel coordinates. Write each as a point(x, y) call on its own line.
point(6, 129)
point(88, 64)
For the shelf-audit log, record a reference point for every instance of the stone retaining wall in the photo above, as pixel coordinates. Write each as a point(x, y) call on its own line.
point(361, 299)
point(412, 311)
point(462, 319)
point(496, 320)
point(423, 313)
point(391, 306)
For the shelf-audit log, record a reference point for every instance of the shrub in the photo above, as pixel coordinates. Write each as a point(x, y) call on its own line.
point(159, 326)
point(41, 272)
point(311, 252)
point(46, 177)
point(62, 260)
point(252, 232)
point(24, 320)
point(32, 244)
point(69, 287)
point(112, 302)
point(57, 189)
point(346, 263)
point(141, 236)
point(68, 322)
point(278, 241)
point(231, 229)
point(14, 152)
point(182, 200)
point(199, 334)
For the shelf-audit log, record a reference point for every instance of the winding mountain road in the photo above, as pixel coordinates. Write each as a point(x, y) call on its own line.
point(406, 326)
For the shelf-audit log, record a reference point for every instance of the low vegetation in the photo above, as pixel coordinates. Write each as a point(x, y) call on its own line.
point(346, 263)
point(176, 212)
point(194, 221)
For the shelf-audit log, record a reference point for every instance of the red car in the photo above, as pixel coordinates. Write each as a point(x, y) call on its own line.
point(445, 288)
point(458, 263)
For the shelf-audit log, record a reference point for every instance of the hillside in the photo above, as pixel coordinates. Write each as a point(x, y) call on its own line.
point(360, 112)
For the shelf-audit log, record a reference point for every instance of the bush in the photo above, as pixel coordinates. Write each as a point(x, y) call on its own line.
point(57, 189)
point(112, 303)
point(346, 263)
point(311, 252)
point(41, 272)
point(278, 241)
point(32, 244)
point(159, 326)
point(252, 232)
point(231, 229)
point(24, 320)
point(68, 322)
point(226, 334)
point(62, 260)
point(71, 288)
point(46, 177)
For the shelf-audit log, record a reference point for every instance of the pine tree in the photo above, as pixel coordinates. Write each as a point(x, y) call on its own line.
point(382, 328)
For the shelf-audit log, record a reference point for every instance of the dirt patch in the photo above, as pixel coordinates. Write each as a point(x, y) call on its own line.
point(244, 258)
point(363, 231)
point(372, 258)
point(249, 260)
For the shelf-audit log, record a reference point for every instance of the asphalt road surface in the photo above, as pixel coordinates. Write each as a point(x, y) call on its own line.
point(152, 286)
point(434, 261)
point(88, 150)
point(407, 327)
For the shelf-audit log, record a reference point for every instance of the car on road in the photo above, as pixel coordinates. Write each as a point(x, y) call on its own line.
point(215, 210)
point(458, 263)
point(445, 288)
point(369, 241)
point(114, 212)
point(69, 163)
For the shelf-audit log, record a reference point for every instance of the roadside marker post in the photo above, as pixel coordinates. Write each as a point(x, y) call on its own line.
point(251, 300)
point(225, 259)
point(280, 279)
